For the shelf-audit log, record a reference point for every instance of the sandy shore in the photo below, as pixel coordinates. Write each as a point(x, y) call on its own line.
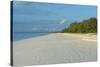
point(54, 49)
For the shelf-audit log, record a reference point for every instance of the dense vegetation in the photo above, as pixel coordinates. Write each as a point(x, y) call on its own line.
point(85, 26)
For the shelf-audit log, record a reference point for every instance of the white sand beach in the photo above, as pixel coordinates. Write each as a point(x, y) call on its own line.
point(55, 48)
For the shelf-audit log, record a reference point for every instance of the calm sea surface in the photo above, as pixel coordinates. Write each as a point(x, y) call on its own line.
point(28, 30)
point(21, 36)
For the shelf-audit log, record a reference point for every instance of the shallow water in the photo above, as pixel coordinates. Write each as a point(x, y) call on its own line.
point(22, 35)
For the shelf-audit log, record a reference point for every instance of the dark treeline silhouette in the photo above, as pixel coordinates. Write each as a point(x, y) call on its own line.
point(85, 26)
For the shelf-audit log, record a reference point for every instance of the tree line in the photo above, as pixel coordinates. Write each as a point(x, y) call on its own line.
point(85, 26)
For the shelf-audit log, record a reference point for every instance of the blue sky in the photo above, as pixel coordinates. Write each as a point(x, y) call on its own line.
point(50, 16)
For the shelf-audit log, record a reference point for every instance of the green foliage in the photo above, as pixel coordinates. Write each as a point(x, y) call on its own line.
point(85, 26)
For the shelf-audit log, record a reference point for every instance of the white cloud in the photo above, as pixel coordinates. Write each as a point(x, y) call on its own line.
point(62, 21)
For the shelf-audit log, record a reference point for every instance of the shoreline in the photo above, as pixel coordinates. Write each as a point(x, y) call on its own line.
point(83, 35)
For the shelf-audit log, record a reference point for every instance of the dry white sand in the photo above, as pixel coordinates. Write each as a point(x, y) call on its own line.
point(54, 49)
